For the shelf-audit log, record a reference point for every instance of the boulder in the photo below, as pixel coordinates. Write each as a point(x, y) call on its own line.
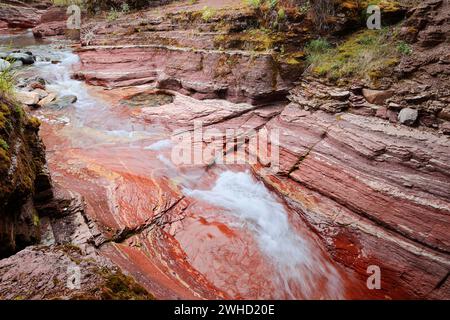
point(377, 96)
point(47, 100)
point(24, 57)
point(28, 98)
point(42, 93)
point(48, 29)
point(63, 102)
point(37, 85)
point(408, 116)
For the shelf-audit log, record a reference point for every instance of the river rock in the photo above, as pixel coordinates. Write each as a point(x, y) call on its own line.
point(24, 57)
point(63, 102)
point(28, 98)
point(47, 100)
point(408, 116)
point(37, 85)
point(4, 65)
point(42, 93)
point(377, 96)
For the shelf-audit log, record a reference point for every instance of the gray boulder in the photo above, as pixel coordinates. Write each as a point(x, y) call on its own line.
point(26, 58)
point(408, 116)
point(63, 102)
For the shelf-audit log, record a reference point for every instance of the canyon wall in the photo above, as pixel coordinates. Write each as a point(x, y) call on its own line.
point(25, 178)
point(370, 182)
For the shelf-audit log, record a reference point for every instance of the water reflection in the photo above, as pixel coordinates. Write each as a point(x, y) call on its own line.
point(19, 38)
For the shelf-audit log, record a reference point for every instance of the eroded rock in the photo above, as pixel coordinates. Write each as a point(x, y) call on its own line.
point(28, 98)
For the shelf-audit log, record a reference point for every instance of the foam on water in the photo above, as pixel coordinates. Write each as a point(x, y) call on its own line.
point(297, 262)
point(160, 145)
point(61, 82)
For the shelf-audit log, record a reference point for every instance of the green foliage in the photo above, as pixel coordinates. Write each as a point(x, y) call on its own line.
point(254, 3)
point(316, 48)
point(305, 7)
point(4, 145)
point(404, 48)
point(208, 13)
point(281, 14)
point(366, 55)
point(19, 111)
point(273, 4)
point(7, 82)
point(113, 15)
point(67, 2)
point(125, 8)
point(121, 287)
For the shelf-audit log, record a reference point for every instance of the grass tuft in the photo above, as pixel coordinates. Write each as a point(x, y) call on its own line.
point(367, 54)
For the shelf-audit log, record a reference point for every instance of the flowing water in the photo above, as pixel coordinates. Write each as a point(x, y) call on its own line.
point(235, 238)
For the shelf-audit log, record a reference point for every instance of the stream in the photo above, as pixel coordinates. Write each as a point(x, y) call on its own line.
point(226, 235)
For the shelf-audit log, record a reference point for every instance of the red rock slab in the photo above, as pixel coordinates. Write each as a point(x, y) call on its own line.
point(414, 219)
point(159, 264)
point(120, 201)
point(184, 111)
point(391, 178)
point(20, 16)
point(382, 164)
point(235, 75)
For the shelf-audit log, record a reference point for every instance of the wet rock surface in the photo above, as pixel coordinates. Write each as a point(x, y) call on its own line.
point(363, 173)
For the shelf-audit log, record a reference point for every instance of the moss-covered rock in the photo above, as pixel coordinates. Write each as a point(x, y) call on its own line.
point(22, 161)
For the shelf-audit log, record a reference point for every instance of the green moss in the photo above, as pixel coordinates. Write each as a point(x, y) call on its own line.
point(367, 55)
point(4, 145)
point(258, 39)
point(121, 287)
point(404, 48)
point(208, 13)
point(385, 5)
point(36, 220)
point(5, 161)
point(33, 123)
point(18, 110)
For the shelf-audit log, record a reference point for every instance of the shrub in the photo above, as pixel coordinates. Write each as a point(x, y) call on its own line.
point(208, 13)
point(254, 3)
point(7, 81)
point(67, 2)
point(4, 145)
point(367, 55)
point(316, 48)
point(112, 15)
point(281, 14)
point(125, 7)
point(404, 48)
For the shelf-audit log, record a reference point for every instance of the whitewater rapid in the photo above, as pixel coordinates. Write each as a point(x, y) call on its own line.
point(297, 263)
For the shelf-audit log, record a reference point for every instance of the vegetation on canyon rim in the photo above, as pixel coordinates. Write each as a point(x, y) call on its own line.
point(366, 55)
